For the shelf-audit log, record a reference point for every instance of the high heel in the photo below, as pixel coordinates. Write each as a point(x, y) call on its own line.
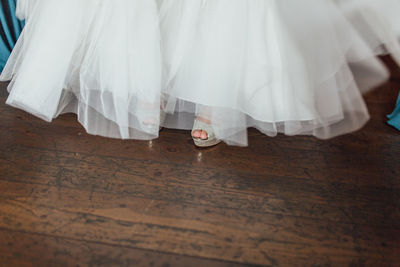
point(211, 140)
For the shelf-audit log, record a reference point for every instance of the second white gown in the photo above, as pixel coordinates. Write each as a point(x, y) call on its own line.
point(281, 66)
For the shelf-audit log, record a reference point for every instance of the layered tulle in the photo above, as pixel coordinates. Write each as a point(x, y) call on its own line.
point(378, 22)
point(98, 59)
point(281, 66)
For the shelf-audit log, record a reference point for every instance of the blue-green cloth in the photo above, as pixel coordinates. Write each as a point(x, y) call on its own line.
point(394, 118)
point(10, 29)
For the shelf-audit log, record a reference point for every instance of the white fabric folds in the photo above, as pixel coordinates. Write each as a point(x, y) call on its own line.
point(378, 22)
point(98, 59)
point(281, 66)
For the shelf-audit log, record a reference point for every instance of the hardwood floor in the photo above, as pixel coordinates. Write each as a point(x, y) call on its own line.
point(68, 198)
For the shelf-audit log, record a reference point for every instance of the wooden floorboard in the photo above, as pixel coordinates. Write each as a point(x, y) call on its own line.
point(68, 198)
point(21, 248)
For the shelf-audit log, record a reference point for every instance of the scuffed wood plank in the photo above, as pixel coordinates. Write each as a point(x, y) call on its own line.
point(187, 230)
point(30, 249)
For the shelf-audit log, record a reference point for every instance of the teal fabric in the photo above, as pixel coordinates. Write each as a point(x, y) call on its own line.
point(10, 29)
point(394, 118)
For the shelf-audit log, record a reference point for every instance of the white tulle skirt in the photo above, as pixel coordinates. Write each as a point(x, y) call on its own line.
point(97, 58)
point(281, 66)
point(378, 22)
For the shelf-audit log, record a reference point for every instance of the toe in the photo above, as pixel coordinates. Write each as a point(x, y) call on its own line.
point(204, 135)
point(196, 134)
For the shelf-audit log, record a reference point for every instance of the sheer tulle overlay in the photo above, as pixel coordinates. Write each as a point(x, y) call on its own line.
point(281, 66)
point(378, 22)
point(98, 59)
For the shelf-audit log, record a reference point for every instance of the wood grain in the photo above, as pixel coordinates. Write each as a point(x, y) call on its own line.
point(71, 199)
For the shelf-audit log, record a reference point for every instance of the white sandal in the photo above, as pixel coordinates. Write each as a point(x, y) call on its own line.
point(202, 126)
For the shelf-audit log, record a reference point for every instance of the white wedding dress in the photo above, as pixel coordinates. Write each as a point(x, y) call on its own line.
point(281, 66)
point(97, 58)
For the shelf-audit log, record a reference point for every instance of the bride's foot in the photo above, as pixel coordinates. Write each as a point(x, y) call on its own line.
point(203, 134)
point(153, 122)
